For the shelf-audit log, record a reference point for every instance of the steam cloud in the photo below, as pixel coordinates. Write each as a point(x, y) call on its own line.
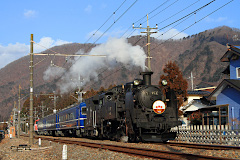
point(116, 51)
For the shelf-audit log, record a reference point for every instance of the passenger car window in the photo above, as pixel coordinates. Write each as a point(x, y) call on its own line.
point(84, 111)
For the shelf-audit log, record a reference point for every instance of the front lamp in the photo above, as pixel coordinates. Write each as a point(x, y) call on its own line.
point(164, 82)
point(136, 82)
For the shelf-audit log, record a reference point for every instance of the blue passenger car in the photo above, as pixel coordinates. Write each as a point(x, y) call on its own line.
point(69, 121)
point(46, 125)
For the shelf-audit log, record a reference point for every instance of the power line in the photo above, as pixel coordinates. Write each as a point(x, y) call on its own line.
point(195, 23)
point(178, 12)
point(149, 14)
point(106, 21)
point(103, 33)
point(164, 20)
point(173, 36)
point(116, 21)
point(144, 17)
point(188, 15)
point(163, 10)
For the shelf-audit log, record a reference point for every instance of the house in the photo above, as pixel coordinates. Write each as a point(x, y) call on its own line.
point(226, 109)
point(195, 102)
point(227, 93)
point(203, 89)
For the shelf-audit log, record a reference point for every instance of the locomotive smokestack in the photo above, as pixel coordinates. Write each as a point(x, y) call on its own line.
point(146, 77)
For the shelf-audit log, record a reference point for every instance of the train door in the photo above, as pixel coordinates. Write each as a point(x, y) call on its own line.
point(83, 113)
point(94, 120)
point(57, 122)
point(78, 117)
point(44, 124)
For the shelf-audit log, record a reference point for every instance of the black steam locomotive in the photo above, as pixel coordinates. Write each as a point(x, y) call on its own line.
point(136, 111)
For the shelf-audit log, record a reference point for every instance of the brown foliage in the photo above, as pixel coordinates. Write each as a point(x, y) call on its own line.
point(175, 80)
point(195, 118)
point(62, 102)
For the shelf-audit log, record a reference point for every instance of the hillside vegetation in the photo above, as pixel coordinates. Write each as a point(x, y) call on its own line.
point(199, 54)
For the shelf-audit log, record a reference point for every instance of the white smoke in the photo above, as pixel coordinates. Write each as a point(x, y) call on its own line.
point(52, 72)
point(116, 51)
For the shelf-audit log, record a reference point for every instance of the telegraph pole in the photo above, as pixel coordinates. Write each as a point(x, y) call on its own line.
point(19, 112)
point(54, 101)
point(14, 114)
point(42, 106)
point(31, 93)
point(35, 114)
point(31, 83)
point(148, 29)
point(191, 78)
point(79, 92)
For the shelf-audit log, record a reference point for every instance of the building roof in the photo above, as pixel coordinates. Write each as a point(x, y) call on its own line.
point(226, 82)
point(232, 52)
point(201, 103)
point(193, 105)
point(227, 70)
point(198, 92)
point(204, 85)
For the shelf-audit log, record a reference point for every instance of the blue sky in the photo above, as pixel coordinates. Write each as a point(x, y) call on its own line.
point(55, 22)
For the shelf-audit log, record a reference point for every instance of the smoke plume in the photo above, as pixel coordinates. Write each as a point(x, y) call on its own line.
point(116, 51)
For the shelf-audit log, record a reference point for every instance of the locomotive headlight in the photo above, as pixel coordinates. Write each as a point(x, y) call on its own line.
point(164, 82)
point(136, 82)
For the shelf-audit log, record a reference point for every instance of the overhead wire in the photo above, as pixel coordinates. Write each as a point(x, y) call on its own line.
point(194, 23)
point(175, 22)
point(106, 20)
point(144, 17)
point(88, 39)
point(175, 34)
point(149, 14)
point(190, 14)
point(164, 32)
point(178, 12)
point(187, 15)
point(172, 23)
point(116, 21)
point(162, 10)
point(102, 34)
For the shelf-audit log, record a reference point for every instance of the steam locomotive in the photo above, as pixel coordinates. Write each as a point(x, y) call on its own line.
point(136, 111)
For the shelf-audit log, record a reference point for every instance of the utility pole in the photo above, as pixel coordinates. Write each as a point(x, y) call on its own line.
point(148, 29)
point(54, 101)
point(14, 114)
point(19, 112)
point(79, 92)
point(42, 109)
point(31, 82)
point(35, 114)
point(191, 78)
point(31, 93)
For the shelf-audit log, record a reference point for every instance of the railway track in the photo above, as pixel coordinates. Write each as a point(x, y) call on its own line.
point(201, 146)
point(142, 152)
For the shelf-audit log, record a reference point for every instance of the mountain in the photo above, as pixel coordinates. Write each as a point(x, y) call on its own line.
point(199, 54)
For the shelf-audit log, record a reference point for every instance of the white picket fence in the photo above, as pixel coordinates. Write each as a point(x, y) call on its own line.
point(211, 134)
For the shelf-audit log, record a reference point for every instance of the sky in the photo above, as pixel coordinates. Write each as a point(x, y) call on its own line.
point(57, 22)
